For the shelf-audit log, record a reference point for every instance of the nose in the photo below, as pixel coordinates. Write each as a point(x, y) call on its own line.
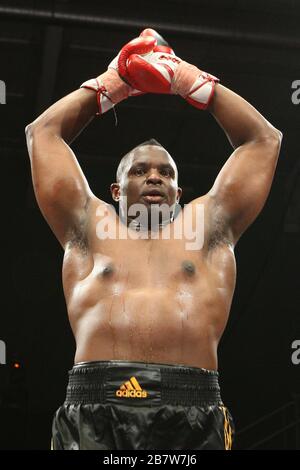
point(154, 178)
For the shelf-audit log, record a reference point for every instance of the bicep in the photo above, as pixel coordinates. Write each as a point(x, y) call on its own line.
point(243, 184)
point(60, 186)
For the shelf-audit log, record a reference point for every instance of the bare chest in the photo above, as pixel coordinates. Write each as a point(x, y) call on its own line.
point(118, 266)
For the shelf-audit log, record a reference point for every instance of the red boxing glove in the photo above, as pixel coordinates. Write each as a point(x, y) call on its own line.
point(134, 68)
point(147, 42)
point(160, 71)
point(109, 86)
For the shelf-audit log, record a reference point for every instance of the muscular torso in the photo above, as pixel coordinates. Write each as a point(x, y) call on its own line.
point(148, 300)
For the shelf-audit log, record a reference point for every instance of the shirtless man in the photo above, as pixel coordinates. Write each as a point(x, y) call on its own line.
point(147, 312)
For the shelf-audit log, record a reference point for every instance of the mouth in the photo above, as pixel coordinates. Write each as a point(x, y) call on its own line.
point(153, 195)
point(153, 198)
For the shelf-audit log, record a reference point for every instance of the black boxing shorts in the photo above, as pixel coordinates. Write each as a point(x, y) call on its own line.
point(122, 405)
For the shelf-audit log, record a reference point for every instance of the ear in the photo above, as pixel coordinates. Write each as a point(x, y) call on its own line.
point(179, 194)
point(115, 191)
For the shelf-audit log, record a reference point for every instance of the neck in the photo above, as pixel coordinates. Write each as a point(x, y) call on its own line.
point(152, 218)
point(138, 226)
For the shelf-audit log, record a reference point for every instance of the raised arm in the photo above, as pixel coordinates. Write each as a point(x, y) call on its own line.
point(60, 186)
point(244, 182)
point(61, 189)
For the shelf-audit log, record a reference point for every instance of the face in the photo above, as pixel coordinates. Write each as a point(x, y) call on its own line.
point(150, 177)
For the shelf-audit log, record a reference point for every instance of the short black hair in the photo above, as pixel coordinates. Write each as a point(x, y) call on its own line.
point(124, 159)
point(150, 142)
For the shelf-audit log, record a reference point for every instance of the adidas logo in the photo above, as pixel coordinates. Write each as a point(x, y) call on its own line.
point(131, 389)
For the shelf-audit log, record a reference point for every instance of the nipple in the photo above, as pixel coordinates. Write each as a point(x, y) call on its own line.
point(107, 270)
point(188, 267)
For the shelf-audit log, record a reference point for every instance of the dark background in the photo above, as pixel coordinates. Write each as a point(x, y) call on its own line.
point(47, 49)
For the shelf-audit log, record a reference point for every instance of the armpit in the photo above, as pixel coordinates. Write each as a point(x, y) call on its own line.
point(78, 237)
point(219, 231)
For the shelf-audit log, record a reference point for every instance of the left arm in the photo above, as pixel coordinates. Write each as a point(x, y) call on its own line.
point(244, 182)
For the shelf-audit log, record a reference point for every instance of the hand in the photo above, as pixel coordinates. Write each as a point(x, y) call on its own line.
point(148, 41)
point(111, 87)
point(153, 70)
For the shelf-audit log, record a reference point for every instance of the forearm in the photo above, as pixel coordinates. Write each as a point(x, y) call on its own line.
point(68, 116)
point(241, 122)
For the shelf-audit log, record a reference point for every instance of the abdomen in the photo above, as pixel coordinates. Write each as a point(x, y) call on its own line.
point(151, 325)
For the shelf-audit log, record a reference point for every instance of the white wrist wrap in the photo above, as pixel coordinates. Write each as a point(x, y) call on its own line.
point(103, 99)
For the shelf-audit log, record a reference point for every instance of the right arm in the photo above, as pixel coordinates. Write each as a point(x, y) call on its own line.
point(61, 189)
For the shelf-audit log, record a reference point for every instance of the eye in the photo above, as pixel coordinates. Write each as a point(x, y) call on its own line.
point(139, 171)
point(166, 172)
